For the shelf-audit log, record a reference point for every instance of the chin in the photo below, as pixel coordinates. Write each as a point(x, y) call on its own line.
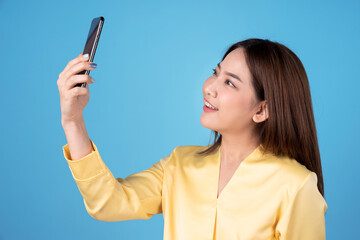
point(208, 125)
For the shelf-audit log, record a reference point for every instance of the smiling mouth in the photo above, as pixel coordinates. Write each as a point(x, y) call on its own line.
point(208, 105)
point(211, 108)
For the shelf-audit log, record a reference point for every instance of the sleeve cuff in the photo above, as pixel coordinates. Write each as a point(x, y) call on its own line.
point(87, 167)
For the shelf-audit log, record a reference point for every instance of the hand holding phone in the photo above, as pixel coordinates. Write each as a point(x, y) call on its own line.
point(91, 43)
point(76, 73)
point(74, 99)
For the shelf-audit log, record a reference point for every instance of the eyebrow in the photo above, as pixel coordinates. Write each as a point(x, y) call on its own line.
point(230, 74)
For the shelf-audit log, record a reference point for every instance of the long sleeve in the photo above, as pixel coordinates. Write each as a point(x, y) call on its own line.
point(304, 218)
point(138, 196)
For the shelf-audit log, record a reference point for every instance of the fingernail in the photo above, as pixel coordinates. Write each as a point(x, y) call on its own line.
point(93, 80)
point(85, 55)
point(93, 65)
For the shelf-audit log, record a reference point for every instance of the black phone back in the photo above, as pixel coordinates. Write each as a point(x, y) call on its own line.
point(92, 42)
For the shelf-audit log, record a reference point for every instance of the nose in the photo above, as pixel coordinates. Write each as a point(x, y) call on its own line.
point(212, 94)
point(210, 88)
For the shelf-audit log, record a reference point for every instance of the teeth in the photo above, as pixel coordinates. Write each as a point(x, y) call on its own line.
point(208, 105)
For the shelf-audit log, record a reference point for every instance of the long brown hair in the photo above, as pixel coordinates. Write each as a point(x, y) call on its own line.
point(279, 77)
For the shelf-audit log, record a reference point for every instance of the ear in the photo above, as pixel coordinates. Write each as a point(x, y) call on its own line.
point(262, 112)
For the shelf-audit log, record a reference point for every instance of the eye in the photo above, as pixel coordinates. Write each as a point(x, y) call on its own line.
point(214, 73)
point(230, 83)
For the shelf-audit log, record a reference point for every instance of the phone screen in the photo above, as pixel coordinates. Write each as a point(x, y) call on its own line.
point(92, 42)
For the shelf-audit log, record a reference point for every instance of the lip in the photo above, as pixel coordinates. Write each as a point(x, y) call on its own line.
point(210, 103)
point(206, 109)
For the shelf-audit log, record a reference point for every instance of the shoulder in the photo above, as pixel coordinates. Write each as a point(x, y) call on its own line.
point(288, 171)
point(296, 181)
point(189, 150)
point(181, 155)
point(293, 170)
point(187, 153)
point(292, 173)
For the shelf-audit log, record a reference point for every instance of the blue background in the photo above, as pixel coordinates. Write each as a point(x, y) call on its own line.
point(153, 57)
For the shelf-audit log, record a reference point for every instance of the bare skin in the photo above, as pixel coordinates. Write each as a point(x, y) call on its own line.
point(238, 113)
point(73, 101)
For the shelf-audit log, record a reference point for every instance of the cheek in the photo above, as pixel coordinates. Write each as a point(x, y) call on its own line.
point(237, 105)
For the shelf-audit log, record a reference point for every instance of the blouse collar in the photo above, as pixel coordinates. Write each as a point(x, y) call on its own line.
point(255, 156)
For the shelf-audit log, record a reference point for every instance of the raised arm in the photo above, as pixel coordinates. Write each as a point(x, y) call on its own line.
point(72, 102)
point(106, 198)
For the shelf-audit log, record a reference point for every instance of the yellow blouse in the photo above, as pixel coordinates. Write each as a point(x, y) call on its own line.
point(268, 197)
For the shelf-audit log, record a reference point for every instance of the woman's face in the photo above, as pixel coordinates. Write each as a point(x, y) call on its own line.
point(235, 99)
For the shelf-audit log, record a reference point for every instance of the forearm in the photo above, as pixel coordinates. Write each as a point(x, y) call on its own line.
point(109, 199)
point(78, 139)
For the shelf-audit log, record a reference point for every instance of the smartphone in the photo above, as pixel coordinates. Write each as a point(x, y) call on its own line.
point(91, 43)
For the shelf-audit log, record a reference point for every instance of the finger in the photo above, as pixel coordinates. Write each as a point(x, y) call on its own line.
point(78, 91)
point(74, 61)
point(79, 58)
point(75, 79)
point(75, 69)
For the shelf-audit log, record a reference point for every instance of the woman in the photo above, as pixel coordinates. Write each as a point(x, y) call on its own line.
point(260, 179)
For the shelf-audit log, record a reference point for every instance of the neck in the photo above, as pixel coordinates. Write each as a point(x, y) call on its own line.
point(236, 147)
